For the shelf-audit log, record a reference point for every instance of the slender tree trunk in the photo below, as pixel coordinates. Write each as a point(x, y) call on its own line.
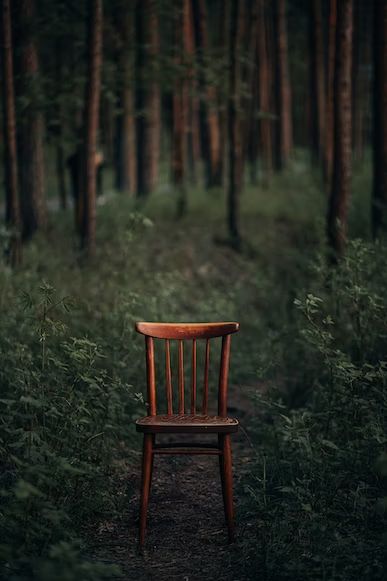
point(235, 151)
point(179, 112)
point(31, 135)
point(59, 146)
point(284, 125)
point(329, 112)
point(192, 105)
point(12, 209)
point(222, 95)
point(107, 129)
point(92, 104)
point(209, 119)
point(147, 97)
point(361, 64)
point(126, 169)
point(249, 83)
point(341, 182)
point(264, 87)
point(379, 198)
point(317, 82)
point(154, 104)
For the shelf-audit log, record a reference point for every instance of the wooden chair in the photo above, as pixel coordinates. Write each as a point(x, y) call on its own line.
point(192, 422)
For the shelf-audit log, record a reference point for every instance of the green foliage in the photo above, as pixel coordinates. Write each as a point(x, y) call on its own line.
point(317, 485)
point(72, 377)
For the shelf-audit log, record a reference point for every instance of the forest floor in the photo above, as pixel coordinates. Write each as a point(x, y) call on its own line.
point(186, 531)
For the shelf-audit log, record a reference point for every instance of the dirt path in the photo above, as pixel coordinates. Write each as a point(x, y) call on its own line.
point(186, 535)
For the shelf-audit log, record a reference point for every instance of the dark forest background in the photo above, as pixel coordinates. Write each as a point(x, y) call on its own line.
point(192, 160)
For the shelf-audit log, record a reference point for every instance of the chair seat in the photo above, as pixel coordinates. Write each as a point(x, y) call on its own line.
point(188, 423)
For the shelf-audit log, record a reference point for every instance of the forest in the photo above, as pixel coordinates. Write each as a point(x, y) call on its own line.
point(193, 161)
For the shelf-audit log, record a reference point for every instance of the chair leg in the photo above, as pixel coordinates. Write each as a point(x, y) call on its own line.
point(226, 469)
point(147, 461)
point(221, 465)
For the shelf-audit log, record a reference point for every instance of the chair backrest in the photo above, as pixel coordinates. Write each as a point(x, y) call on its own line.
point(187, 332)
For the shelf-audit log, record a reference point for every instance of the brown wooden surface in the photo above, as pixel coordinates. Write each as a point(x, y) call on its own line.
point(182, 422)
point(187, 423)
point(186, 330)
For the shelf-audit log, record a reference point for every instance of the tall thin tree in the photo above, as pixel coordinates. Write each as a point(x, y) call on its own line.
point(126, 170)
point(10, 148)
point(31, 127)
point(179, 109)
point(317, 81)
point(341, 181)
point(379, 197)
point(235, 150)
point(92, 104)
point(284, 125)
point(209, 118)
point(147, 96)
point(329, 102)
point(264, 89)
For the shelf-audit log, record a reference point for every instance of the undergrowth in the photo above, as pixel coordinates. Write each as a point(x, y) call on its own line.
point(72, 376)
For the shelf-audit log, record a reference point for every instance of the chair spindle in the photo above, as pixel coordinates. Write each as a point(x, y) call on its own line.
point(223, 375)
point(168, 377)
point(206, 371)
point(181, 376)
point(151, 376)
point(193, 382)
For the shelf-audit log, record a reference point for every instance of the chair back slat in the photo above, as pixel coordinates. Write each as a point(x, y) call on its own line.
point(206, 374)
point(223, 375)
point(180, 332)
point(193, 378)
point(151, 375)
point(168, 377)
point(181, 376)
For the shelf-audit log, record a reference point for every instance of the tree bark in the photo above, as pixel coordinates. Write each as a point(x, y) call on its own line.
point(31, 134)
point(59, 146)
point(361, 87)
point(179, 110)
point(12, 206)
point(192, 105)
point(329, 108)
point(284, 125)
point(379, 197)
point(317, 82)
point(264, 91)
point(126, 169)
point(209, 119)
point(92, 104)
point(341, 182)
point(147, 97)
point(235, 150)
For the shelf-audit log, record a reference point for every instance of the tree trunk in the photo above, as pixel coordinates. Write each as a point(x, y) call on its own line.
point(192, 105)
point(91, 116)
point(329, 109)
point(12, 207)
point(59, 146)
point(209, 119)
point(179, 111)
point(126, 169)
point(264, 91)
point(234, 127)
point(341, 182)
point(284, 125)
point(379, 198)
point(361, 87)
point(31, 135)
point(147, 97)
point(317, 82)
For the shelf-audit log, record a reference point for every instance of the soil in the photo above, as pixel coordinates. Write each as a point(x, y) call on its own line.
point(186, 532)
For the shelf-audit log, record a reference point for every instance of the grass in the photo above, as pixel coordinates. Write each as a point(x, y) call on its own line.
point(151, 266)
